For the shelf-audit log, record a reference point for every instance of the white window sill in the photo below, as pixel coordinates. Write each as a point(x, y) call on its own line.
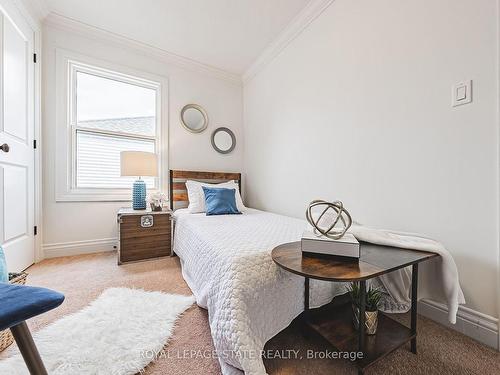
point(97, 195)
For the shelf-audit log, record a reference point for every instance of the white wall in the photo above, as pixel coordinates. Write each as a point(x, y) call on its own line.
point(65, 223)
point(358, 108)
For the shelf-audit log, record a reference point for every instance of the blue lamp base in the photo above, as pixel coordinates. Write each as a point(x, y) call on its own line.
point(139, 195)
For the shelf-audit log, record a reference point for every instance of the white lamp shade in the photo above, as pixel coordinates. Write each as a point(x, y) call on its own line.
point(138, 163)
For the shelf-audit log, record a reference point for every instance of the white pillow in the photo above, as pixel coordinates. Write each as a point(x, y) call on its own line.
point(196, 195)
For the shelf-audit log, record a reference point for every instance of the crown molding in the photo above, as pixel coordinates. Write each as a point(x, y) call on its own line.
point(38, 7)
point(60, 22)
point(38, 12)
point(298, 24)
point(34, 11)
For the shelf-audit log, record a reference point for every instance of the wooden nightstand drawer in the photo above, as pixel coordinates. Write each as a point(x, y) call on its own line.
point(143, 235)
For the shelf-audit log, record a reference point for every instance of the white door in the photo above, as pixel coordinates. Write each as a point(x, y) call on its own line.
point(16, 136)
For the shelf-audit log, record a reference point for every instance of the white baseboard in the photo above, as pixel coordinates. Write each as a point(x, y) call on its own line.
point(479, 326)
point(54, 250)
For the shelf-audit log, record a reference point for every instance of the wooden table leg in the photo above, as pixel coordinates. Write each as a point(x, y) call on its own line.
point(414, 287)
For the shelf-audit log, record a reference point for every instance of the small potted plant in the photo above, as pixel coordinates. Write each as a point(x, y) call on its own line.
point(372, 302)
point(157, 200)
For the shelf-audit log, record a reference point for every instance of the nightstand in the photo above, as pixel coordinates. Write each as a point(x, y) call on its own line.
point(334, 323)
point(143, 234)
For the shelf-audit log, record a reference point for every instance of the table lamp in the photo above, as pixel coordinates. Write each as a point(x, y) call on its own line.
point(138, 164)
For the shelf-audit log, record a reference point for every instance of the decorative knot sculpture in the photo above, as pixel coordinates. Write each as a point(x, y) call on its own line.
point(333, 225)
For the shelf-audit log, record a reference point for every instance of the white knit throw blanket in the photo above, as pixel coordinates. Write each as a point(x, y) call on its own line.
point(438, 277)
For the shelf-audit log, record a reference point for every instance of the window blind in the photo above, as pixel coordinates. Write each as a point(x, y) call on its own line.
point(98, 160)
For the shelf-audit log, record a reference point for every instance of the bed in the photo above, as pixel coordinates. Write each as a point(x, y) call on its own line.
point(227, 264)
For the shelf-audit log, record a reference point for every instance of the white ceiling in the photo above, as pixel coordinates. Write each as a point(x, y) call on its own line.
point(227, 34)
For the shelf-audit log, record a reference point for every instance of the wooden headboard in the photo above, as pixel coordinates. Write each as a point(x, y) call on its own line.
point(177, 183)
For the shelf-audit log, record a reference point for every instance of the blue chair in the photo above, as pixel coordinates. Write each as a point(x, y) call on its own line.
point(19, 303)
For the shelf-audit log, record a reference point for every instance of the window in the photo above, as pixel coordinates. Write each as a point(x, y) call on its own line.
point(107, 112)
point(110, 116)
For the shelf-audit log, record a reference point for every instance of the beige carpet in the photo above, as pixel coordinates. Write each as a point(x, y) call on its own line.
point(82, 278)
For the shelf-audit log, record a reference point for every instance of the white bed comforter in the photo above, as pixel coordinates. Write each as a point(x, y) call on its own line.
point(227, 265)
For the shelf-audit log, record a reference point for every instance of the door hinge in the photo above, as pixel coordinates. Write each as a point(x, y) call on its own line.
point(35, 230)
point(34, 58)
point(34, 143)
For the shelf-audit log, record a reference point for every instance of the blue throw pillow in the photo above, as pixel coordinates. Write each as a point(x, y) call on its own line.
point(4, 274)
point(220, 201)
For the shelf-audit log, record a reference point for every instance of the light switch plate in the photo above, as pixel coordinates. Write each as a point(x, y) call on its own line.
point(461, 93)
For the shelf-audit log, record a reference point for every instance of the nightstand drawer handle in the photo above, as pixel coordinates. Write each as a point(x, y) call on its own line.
point(147, 221)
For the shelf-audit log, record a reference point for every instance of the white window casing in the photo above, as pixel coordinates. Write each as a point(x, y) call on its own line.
point(88, 177)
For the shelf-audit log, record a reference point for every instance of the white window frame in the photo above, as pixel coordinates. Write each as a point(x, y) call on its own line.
point(67, 66)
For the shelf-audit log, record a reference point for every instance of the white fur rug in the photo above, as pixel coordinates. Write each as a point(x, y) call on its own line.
point(109, 336)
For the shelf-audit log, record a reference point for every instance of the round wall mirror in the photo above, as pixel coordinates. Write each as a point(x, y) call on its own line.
point(194, 118)
point(223, 140)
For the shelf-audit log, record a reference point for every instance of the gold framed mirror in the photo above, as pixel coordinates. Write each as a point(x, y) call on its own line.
point(194, 118)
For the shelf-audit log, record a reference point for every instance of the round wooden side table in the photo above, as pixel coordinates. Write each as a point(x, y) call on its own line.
point(333, 322)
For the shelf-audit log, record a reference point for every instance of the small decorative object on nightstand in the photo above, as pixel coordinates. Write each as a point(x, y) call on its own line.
point(137, 164)
point(328, 234)
point(157, 201)
point(331, 229)
point(143, 234)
